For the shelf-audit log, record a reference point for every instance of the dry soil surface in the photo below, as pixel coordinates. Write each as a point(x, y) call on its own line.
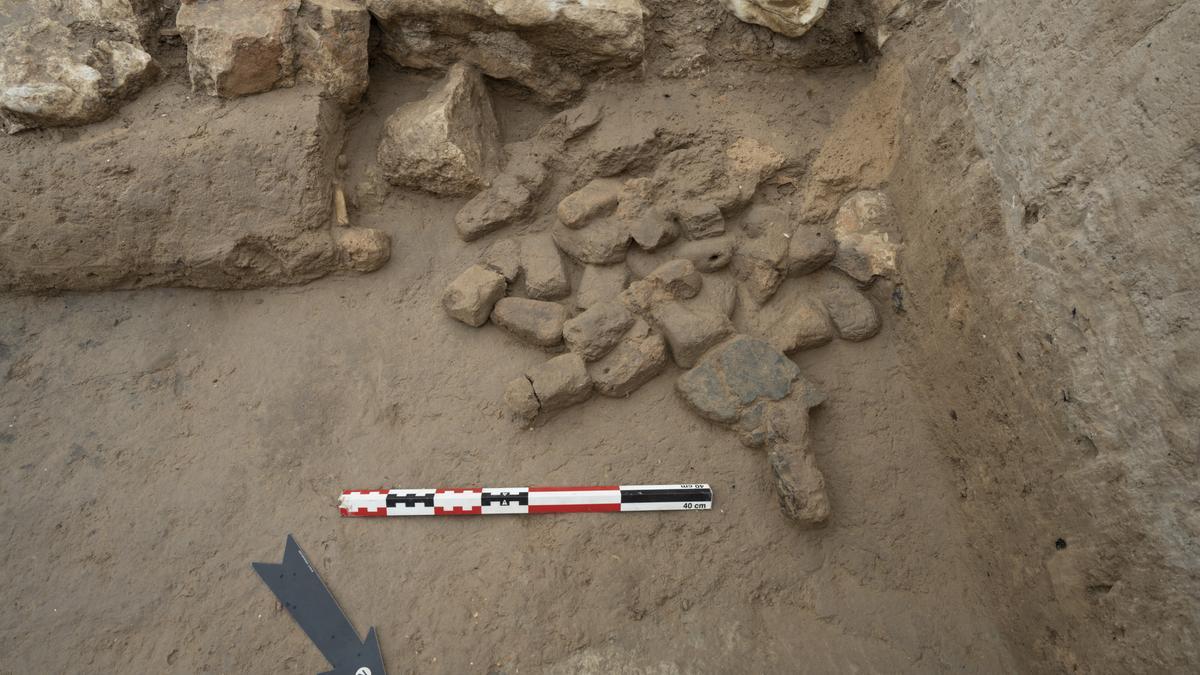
point(157, 442)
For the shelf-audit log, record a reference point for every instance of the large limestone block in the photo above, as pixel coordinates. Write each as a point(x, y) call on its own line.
point(49, 77)
point(792, 18)
point(548, 47)
point(134, 20)
point(331, 47)
point(239, 48)
point(446, 143)
point(244, 200)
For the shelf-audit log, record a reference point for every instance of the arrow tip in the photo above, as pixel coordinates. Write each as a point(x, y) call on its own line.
point(366, 661)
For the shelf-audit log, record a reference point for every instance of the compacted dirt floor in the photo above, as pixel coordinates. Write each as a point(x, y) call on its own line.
point(156, 442)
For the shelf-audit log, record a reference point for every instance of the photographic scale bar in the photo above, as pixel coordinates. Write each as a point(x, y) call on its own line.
point(510, 500)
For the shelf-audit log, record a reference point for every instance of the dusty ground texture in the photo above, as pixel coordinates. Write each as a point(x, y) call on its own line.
point(1010, 462)
point(159, 441)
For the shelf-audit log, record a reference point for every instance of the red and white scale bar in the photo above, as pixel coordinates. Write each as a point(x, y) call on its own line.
point(489, 501)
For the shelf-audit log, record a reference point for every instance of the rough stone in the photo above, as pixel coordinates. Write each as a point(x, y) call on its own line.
point(758, 277)
point(558, 383)
point(50, 78)
point(703, 173)
point(503, 257)
point(602, 242)
point(239, 48)
point(545, 276)
point(600, 283)
point(638, 358)
point(810, 249)
point(699, 220)
point(446, 143)
point(537, 322)
point(673, 280)
point(362, 249)
point(641, 263)
point(652, 230)
point(550, 48)
point(331, 47)
point(806, 327)
point(621, 145)
point(505, 202)
point(594, 332)
point(718, 294)
point(768, 231)
point(521, 399)
point(511, 196)
point(561, 382)
point(597, 198)
point(708, 255)
point(865, 249)
point(734, 376)
point(471, 297)
point(792, 18)
point(688, 333)
point(852, 313)
point(800, 484)
point(678, 277)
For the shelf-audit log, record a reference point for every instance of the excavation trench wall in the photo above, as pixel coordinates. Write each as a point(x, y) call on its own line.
point(1046, 170)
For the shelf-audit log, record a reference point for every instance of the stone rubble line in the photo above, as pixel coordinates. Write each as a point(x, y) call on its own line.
point(649, 247)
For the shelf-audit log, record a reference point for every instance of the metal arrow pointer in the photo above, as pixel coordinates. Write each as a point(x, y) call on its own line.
point(310, 603)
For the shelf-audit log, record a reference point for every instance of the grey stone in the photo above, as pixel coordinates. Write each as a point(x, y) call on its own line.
point(446, 143)
point(638, 358)
point(597, 198)
point(689, 334)
point(600, 283)
point(734, 376)
point(800, 484)
point(708, 255)
point(602, 242)
point(545, 276)
point(471, 297)
point(805, 327)
point(537, 322)
point(594, 332)
point(852, 314)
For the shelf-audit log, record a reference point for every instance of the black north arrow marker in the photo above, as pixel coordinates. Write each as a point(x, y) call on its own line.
point(310, 603)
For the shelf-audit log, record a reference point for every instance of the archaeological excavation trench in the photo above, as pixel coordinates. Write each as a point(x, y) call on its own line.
point(907, 283)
